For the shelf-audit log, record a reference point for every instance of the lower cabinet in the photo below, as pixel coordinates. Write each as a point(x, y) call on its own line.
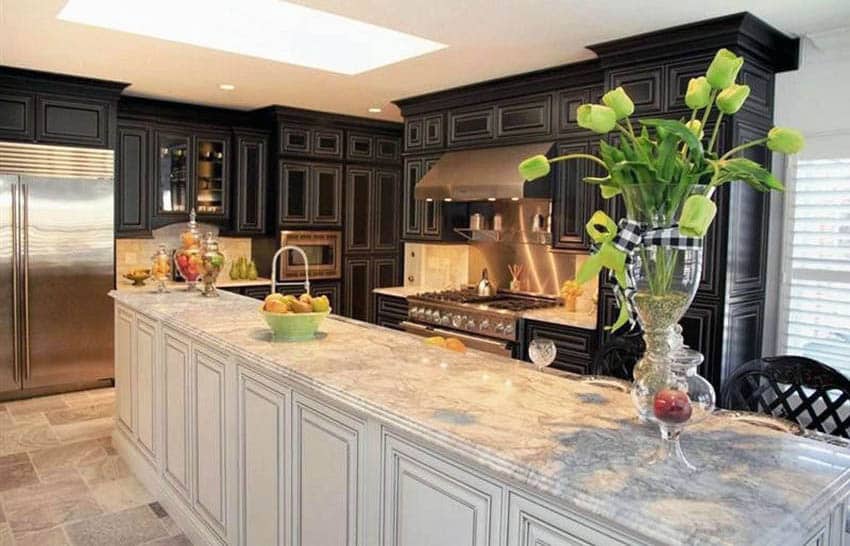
point(429, 501)
point(176, 405)
point(390, 311)
point(575, 346)
point(362, 275)
point(327, 472)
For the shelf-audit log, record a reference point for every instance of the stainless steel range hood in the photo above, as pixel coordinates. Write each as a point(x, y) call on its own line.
point(479, 175)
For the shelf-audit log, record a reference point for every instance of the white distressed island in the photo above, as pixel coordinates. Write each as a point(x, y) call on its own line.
point(368, 437)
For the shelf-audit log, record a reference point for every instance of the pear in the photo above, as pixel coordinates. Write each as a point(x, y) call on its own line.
point(300, 307)
point(306, 298)
point(321, 304)
point(251, 273)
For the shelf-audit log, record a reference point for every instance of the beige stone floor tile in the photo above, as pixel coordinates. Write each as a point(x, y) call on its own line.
point(6, 538)
point(170, 526)
point(177, 540)
point(121, 494)
point(5, 419)
point(110, 468)
point(127, 528)
point(36, 405)
point(30, 419)
point(80, 413)
point(83, 453)
point(16, 471)
point(42, 506)
point(78, 397)
point(102, 395)
point(85, 430)
point(26, 438)
point(50, 537)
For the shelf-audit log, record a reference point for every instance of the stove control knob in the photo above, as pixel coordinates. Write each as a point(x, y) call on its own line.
point(414, 312)
point(429, 315)
point(509, 329)
point(458, 320)
point(470, 324)
point(484, 325)
point(500, 328)
point(447, 319)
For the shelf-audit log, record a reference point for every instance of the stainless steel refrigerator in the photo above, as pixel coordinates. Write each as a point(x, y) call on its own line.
point(56, 268)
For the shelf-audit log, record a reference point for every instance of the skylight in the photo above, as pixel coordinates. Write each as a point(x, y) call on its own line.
point(268, 29)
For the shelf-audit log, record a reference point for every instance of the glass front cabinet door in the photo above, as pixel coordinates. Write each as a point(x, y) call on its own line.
point(211, 176)
point(173, 173)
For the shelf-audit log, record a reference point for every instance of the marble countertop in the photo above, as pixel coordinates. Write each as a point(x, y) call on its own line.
point(576, 442)
point(554, 315)
point(223, 282)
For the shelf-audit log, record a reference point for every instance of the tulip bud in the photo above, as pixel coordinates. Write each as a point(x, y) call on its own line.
point(619, 101)
point(785, 140)
point(697, 215)
point(698, 94)
point(609, 191)
point(695, 126)
point(724, 69)
point(534, 167)
point(597, 118)
point(732, 98)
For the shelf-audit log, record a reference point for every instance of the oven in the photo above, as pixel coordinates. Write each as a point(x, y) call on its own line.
point(499, 347)
point(323, 252)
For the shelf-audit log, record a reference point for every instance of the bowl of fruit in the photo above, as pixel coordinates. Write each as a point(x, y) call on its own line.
point(138, 276)
point(294, 319)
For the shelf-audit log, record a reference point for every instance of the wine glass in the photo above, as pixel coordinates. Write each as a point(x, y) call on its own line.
point(542, 352)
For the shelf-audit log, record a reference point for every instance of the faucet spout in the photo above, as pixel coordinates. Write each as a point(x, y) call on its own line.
point(277, 254)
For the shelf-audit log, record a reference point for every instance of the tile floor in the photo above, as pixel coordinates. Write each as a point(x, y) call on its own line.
point(62, 482)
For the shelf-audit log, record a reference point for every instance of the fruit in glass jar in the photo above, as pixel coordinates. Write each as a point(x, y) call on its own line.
point(189, 240)
point(672, 406)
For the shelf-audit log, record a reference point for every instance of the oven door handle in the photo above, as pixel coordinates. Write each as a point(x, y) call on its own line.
point(502, 348)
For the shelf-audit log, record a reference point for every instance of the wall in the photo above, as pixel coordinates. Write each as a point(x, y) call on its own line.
point(813, 99)
point(136, 253)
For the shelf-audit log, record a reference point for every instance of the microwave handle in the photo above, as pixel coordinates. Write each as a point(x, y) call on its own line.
point(277, 254)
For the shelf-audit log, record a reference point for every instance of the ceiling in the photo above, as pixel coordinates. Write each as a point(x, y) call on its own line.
point(487, 39)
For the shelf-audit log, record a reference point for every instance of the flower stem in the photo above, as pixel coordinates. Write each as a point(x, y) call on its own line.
point(744, 146)
point(629, 125)
point(579, 156)
point(714, 132)
point(708, 108)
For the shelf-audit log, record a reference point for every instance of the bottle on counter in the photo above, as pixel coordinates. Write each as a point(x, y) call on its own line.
point(161, 270)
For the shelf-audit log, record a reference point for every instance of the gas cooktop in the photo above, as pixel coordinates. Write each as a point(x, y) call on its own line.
point(506, 301)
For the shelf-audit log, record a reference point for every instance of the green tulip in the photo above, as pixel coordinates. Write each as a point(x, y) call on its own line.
point(697, 215)
point(785, 140)
point(695, 126)
point(597, 118)
point(619, 101)
point(732, 98)
point(534, 167)
point(698, 94)
point(724, 69)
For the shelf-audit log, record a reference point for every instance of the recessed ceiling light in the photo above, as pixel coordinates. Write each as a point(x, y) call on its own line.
point(375, 110)
point(269, 29)
point(226, 86)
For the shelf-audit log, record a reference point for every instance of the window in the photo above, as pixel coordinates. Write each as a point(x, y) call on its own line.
point(814, 307)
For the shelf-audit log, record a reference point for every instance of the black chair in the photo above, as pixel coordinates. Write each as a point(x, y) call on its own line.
point(617, 356)
point(795, 388)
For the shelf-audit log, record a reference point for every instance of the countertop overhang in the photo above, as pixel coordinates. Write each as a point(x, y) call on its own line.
point(568, 440)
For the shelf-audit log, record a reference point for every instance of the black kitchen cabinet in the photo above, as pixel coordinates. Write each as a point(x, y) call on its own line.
point(423, 220)
point(362, 275)
point(320, 142)
point(211, 183)
point(132, 171)
point(331, 289)
point(309, 194)
point(575, 346)
point(524, 117)
point(360, 147)
point(173, 175)
point(249, 216)
point(72, 121)
point(390, 311)
point(17, 116)
point(372, 196)
point(472, 125)
point(573, 200)
point(433, 132)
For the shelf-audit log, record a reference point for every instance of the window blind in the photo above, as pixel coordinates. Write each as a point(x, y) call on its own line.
point(815, 292)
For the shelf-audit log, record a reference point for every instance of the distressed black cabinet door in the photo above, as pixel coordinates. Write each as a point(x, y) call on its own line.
point(326, 195)
point(294, 193)
point(411, 208)
point(250, 184)
point(132, 169)
point(358, 292)
point(358, 212)
point(386, 212)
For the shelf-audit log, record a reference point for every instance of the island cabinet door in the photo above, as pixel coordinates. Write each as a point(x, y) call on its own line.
point(124, 329)
point(209, 438)
point(429, 501)
point(175, 381)
point(264, 461)
point(327, 477)
point(145, 386)
point(533, 524)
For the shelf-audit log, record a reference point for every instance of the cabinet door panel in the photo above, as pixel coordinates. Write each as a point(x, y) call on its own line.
point(124, 366)
point(327, 143)
point(132, 175)
point(210, 478)
point(174, 166)
point(329, 289)
point(17, 120)
point(357, 288)
point(327, 472)
point(358, 214)
point(573, 202)
point(575, 346)
point(645, 87)
point(294, 193)
point(529, 117)
point(145, 385)
point(263, 462)
point(433, 128)
point(387, 149)
point(295, 140)
point(175, 364)
point(390, 311)
point(212, 176)
point(568, 102)
point(431, 210)
point(360, 147)
point(326, 195)
point(413, 137)
point(386, 211)
point(411, 207)
point(471, 126)
point(431, 502)
point(72, 122)
point(251, 184)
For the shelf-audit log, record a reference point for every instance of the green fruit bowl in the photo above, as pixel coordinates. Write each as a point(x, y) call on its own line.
point(294, 326)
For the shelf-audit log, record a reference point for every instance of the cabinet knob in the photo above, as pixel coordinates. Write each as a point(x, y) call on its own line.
point(411, 278)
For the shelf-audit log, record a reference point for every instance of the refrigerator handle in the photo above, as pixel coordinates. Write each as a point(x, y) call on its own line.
point(16, 289)
point(25, 267)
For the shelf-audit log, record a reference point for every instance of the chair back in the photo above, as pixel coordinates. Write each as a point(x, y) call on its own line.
point(796, 388)
point(617, 356)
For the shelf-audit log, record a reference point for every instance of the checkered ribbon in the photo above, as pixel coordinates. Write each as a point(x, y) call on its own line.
point(632, 235)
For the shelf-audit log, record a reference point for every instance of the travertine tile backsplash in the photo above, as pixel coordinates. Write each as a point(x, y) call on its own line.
point(136, 253)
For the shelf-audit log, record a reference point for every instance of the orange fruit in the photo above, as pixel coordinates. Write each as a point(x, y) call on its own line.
point(455, 344)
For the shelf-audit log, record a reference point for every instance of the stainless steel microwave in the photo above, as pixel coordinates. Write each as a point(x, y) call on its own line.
point(323, 252)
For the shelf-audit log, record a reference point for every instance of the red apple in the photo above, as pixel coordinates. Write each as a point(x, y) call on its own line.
point(672, 406)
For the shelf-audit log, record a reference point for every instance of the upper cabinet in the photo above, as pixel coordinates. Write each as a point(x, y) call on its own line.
point(371, 212)
point(212, 175)
point(250, 182)
point(309, 194)
point(52, 109)
point(132, 171)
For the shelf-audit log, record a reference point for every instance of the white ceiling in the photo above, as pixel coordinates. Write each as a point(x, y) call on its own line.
point(487, 39)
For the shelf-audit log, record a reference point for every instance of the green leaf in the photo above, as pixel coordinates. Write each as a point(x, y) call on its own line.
point(682, 132)
point(598, 180)
point(746, 170)
point(622, 318)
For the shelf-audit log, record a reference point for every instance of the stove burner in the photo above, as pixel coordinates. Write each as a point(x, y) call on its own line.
point(507, 302)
